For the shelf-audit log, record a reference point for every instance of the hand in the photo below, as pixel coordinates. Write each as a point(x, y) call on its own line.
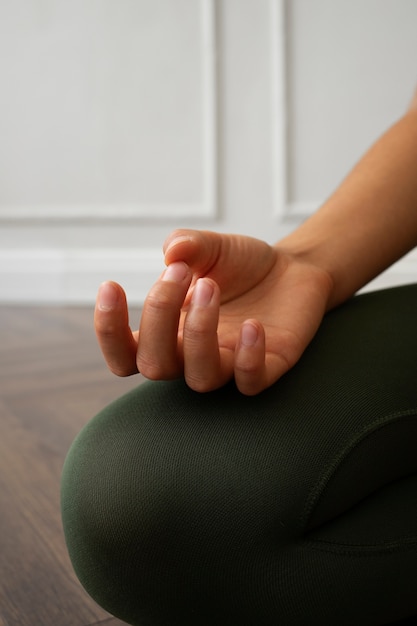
point(226, 306)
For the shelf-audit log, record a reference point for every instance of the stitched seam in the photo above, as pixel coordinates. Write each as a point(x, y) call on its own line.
point(317, 491)
point(362, 549)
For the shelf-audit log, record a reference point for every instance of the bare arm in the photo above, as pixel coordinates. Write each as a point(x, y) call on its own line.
point(371, 219)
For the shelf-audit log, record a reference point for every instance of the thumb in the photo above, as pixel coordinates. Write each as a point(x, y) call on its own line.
point(200, 250)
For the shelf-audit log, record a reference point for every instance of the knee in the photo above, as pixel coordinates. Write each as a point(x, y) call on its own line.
point(97, 497)
point(125, 506)
point(158, 514)
point(172, 501)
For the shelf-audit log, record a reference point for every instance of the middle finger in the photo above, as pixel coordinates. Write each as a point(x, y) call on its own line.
point(158, 354)
point(206, 367)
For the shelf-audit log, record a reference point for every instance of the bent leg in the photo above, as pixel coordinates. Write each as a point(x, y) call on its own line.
point(295, 507)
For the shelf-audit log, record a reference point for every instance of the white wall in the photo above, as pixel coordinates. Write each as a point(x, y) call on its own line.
point(120, 121)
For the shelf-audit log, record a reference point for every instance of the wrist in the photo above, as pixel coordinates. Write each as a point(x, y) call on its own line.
point(313, 266)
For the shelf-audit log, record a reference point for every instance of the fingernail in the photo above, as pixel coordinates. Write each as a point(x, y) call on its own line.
point(203, 293)
point(176, 272)
point(107, 297)
point(176, 241)
point(249, 334)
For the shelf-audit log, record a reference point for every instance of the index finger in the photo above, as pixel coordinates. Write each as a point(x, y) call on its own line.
point(111, 322)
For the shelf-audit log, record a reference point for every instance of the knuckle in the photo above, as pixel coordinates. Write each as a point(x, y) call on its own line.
point(248, 367)
point(153, 370)
point(158, 300)
point(249, 376)
point(105, 328)
point(122, 372)
point(199, 384)
point(249, 390)
point(194, 336)
point(248, 382)
point(200, 328)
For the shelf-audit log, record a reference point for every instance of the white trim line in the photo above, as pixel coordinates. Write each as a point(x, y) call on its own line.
point(278, 43)
point(210, 82)
point(283, 209)
point(72, 276)
point(108, 212)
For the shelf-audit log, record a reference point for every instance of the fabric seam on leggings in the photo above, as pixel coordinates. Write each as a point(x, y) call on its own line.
point(330, 469)
point(361, 549)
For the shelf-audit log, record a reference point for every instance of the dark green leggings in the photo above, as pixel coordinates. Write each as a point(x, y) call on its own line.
point(295, 507)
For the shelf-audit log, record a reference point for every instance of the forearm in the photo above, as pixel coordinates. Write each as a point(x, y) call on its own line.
point(370, 221)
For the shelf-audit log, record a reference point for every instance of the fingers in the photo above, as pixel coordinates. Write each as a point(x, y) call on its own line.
point(195, 353)
point(155, 354)
point(250, 369)
point(159, 355)
point(163, 353)
point(199, 249)
point(111, 322)
point(235, 262)
point(206, 366)
point(256, 369)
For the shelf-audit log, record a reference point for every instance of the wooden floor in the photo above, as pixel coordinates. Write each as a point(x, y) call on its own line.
point(52, 381)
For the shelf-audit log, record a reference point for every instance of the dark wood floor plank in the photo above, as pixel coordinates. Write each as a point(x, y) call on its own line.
point(37, 584)
point(52, 381)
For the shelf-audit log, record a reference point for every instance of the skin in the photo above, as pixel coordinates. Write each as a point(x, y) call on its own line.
point(230, 306)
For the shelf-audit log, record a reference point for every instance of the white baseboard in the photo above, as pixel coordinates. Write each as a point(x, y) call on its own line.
point(56, 276)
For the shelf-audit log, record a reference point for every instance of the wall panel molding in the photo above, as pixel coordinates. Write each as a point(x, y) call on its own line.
point(205, 209)
point(282, 208)
point(365, 79)
point(279, 108)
